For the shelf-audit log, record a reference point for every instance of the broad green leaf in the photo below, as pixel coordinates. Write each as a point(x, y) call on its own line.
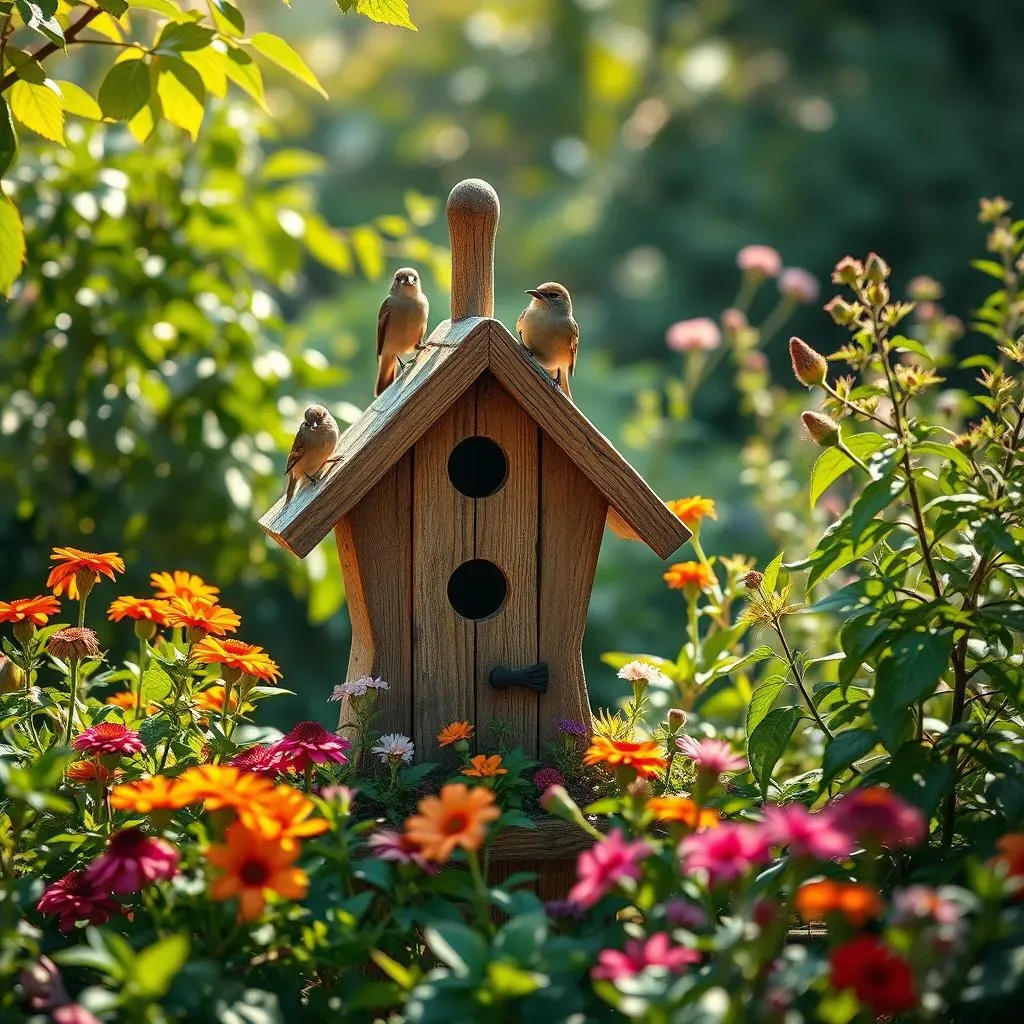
point(522, 937)
point(767, 743)
point(177, 37)
point(164, 7)
point(421, 209)
point(387, 12)
point(153, 730)
point(115, 8)
point(38, 107)
point(991, 268)
point(12, 244)
point(28, 68)
point(156, 684)
point(156, 966)
point(511, 982)
point(243, 71)
point(771, 573)
point(948, 452)
point(8, 138)
point(402, 976)
point(369, 249)
point(125, 90)
point(182, 95)
point(142, 124)
point(459, 947)
point(277, 50)
point(875, 498)
point(392, 225)
point(843, 749)
point(832, 464)
point(210, 63)
point(75, 100)
point(328, 246)
point(38, 16)
point(764, 696)
point(228, 18)
point(292, 163)
point(906, 674)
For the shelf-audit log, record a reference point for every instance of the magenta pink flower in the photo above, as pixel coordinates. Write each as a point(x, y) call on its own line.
point(76, 898)
point(109, 738)
point(923, 903)
point(258, 759)
point(877, 815)
point(548, 777)
point(759, 259)
point(698, 335)
point(680, 913)
point(806, 834)
point(73, 1013)
point(394, 846)
point(726, 852)
point(131, 861)
point(309, 743)
point(713, 757)
point(656, 951)
point(605, 865)
point(799, 284)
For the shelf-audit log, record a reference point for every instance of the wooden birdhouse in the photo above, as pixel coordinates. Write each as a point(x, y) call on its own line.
point(468, 503)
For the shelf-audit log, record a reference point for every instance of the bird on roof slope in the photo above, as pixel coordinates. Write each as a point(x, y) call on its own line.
point(547, 329)
point(401, 324)
point(314, 444)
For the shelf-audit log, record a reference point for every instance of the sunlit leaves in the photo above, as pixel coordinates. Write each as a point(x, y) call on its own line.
point(182, 94)
point(369, 249)
point(125, 90)
point(8, 137)
point(177, 37)
point(387, 12)
point(75, 100)
point(38, 107)
point(39, 16)
point(328, 246)
point(292, 163)
point(833, 463)
point(242, 70)
point(12, 244)
point(280, 53)
point(768, 742)
point(228, 18)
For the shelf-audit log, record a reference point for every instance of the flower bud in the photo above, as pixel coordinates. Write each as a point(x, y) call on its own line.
point(842, 312)
point(676, 719)
point(145, 629)
point(11, 675)
point(990, 210)
point(24, 631)
point(640, 789)
point(823, 429)
point(555, 800)
point(753, 579)
point(810, 367)
point(876, 270)
point(924, 289)
point(848, 271)
point(877, 293)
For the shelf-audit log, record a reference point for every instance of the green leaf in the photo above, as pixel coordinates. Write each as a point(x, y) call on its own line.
point(876, 496)
point(154, 729)
point(906, 674)
point(948, 452)
point(182, 94)
point(38, 107)
point(511, 982)
point(75, 100)
point(210, 63)
point(125, 90)
point(8, 138)
point(12, 244)
point(767, 743)
point(178, 37)
point(39, 17)
point(402, 976)
point(369, 251)
point(115, 8)
point(771, 573)
point(242, 70)
point(459, 947)
point(277, 50)
point(156, 966)
point(327, 246)
point(991, 268)
point(292, 163)
point(832, 464)
point(522, 938)
point(843, 749)
point(761, 701)
point(387, 12)
point(164, 7)
point(229, 15)
point(156, 684)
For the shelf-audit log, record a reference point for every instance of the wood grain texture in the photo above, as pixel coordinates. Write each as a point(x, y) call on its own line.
point(627, 492)
point(452, 358)
point(375, 548)
point(443, 645)
point(552, 839)
point(506, 534)
point(557, 877)
point(473, 211)
point(572, 517)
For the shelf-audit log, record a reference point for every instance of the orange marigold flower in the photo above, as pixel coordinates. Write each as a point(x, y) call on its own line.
point(252, 866)
point(195, 613)
point(126, 699)
point(453, 732)
point(1011, 853)
point(149, 608)
point(485, 767)
point(36, 609)
point(683, 810)
point(221, 785)
point(457, 816)
point(644, 757)
point(692, 510)
point(282, 814)
point(92, 770)
point(73, 561)
point(212, 699)
point(157, 793)
point(857, 903)
point(242, 657)
point(684, 575)
point(183, 584)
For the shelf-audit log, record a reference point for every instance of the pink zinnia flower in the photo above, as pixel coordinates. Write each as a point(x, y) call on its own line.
point(806, 834)
point(604, 865)
point(799, 284)
point(698, 335)
point(921, 902)
point(759, 259)
point(109, 738)
point(131, 861)
point(258, 759)
point(548, 777)
point(656, 951)
point(714, 757)
point(309, 743)
point(726, 852)
point(877, 815)
point(395, 846)
point(76, 898)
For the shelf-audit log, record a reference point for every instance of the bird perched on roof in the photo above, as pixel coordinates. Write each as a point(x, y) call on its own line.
point(312, 449)
point(547, 328)
point(401, 324)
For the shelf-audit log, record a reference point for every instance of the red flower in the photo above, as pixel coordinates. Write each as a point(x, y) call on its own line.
point(880, 978)
point(109, 738)
point(76, 898)
point(308, 743)
point(132, 860)
point(258, 759)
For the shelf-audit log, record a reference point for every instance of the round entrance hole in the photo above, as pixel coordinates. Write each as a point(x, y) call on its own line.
point(477, 467)
point(477, 589)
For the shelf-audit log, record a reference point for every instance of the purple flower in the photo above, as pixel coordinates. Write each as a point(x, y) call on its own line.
point(562, 910)
point(547, 777)
point(571, 727)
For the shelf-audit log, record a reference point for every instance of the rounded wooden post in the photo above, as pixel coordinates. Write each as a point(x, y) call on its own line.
point(472, 222)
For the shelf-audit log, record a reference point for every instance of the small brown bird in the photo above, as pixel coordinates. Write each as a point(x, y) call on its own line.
point(314, 444)
point(401, 324)
point(546, 327)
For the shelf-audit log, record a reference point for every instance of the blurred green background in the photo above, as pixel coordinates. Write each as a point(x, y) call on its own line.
point(184, 301)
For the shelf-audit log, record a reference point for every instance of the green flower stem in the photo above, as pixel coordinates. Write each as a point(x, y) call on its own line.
point(479, 891)
point(81, 610)
point(73, 699)
point(775, 320)
point(143, 661)
point(716, 590)
point(853, 458)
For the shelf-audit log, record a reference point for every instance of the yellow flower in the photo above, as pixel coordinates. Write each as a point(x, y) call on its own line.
point(485, 767)
point(183, 584)
point(157, 793)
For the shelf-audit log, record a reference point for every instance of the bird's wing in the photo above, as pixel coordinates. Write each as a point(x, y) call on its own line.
point(382, 323)
point(519, 324)
point(298, 450)
point(574, 344)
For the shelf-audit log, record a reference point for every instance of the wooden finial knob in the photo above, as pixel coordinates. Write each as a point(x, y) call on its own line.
point(473, 222)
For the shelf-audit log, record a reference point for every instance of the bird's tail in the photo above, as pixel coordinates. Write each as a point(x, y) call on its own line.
point(385, 374)
point(293, 482)
point(563, 381)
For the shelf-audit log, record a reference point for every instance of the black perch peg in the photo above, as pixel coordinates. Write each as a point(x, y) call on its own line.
point(533, 677)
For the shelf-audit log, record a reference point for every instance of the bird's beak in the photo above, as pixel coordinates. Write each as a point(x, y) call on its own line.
point(536, 294)
point(409, 279)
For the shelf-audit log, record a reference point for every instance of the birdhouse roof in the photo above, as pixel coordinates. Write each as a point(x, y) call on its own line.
point(453, 358)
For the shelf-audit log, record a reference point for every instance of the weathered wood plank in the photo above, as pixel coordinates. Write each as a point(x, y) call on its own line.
point(552, 839)
point(375, 548)
point(443, 642)
point(633, 501)
point(572, 516)
point(506, 534)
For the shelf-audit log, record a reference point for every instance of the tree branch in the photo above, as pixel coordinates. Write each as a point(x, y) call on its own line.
point(50, 48)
